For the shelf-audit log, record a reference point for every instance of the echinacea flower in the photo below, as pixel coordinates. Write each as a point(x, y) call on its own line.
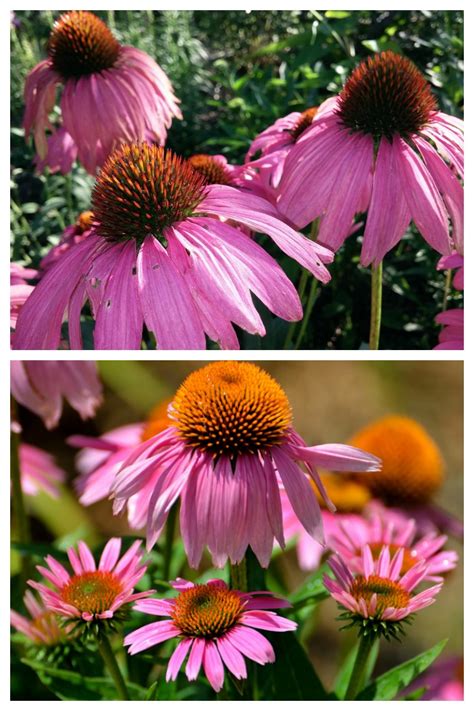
point(41, 386)
point(20, 289)
point(216, 625)
point(451, 337)
point(381, 597)
point(39, 471)
point(91, 593)
point(378, 530)
point(110, 94)
point(443, 681)
point(215, 169)
point(229, 448)
point(42, 627)
point(157, 256)
point(73, 234)
point(380, 147)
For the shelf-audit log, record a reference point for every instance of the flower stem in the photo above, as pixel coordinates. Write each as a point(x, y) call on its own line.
point(238, 575)
point(356, 681)
point(447, 288)
point(169, 538)
point(375, 307)
point(21, 518)
point(309, 307)
point(110, 662)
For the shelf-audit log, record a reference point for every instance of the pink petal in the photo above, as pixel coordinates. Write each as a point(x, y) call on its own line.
point(110, 554)
point(195, 659)
point(213, 667)
point(177, 659)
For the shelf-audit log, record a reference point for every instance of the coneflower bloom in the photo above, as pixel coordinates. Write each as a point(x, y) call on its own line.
point(92, 593)
point(381, 594)
point(216, 625)
point(73, 234)
point(41, 386)
point(20, 289)
point(157, 255)
point(215, 169)
point(230, 446)
point(39, 471)
point(101, 458)
point(110, 94)
point(443, 681)
point(348, 539)
point(452, 336)
point(380, 147)
point(42, 627)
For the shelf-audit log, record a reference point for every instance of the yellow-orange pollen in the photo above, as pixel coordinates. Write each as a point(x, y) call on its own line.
point(305, 120)
point(389, 593)
point(211, 169)
point(157, 421)
point(231, 408)
point(412, 465)
point(207, 611)
point(47, 625)
point(81, 44)
point(92, 592)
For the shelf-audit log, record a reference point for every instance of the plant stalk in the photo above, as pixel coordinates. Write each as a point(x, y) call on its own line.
point(447, 288)
point(358, 671)
point(375, 307)
point(113, 668)
point(238, 575)
point(18, 502)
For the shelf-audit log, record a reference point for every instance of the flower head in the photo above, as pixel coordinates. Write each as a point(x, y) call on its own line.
point(157, 255)
point(41, 386)
point(95, 71)
point(39, 471)
point(380, 147)
point(42, 626)
point(73, 234)
point(381, 597)
point(230, 447)
point(93, 594)
point(216, 625)
point(215, 169)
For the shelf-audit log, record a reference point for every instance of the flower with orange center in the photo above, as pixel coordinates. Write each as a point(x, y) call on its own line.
point(412, 465)
point(381, 597)
point(230, 446)
point(73, 234)
point(217, 626)
point(214, 169)
point(95, 71)
point(42, 626)
point(93, 594)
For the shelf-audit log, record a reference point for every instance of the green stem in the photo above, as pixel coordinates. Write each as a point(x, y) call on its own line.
point(169, 538)
point(358, 670)
point(301, 290)
point(113, 668)
point(307, 313)
point(21, 518)
point(447, 288)
point(375, 307)
point(238, 575)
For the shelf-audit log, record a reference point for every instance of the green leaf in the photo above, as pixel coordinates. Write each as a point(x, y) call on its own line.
point(388, 685)
point(337, 14)
point(312, 591)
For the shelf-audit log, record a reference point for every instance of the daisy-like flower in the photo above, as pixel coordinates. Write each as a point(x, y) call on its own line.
point(349, 537)
point(101, 458)
point(380, 147)
point(157, 255)
point(110, 94)
point(73, 234)
point(41, 386)
point(230, 447)
point(42, 626)
point(215, 169)
point(381, 597)
point(92, 593)
point(452, 336)
point(39, 471)
point(216, 625)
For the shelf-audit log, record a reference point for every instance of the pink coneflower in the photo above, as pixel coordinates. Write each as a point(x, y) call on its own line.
point(451, 337)
point(380, 530)
point(443, 681)
point(73, 234)
point(230, 446)
point(217, 626)
point(110, 94)
point(42, 627)
point(39, 471)
point(41, 386)
point(381, 593)
point(380, 147)
point(20, 289)
point(157, 256)
point(91, 593)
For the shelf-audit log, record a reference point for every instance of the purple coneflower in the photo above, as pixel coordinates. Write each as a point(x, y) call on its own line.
point(110, 94)
point(42, 627)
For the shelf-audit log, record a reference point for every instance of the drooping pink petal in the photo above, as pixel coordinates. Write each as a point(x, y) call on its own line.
point(213, 666)
point(177, 659)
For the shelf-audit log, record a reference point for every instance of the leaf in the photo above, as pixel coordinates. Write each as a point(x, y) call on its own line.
point(388, 685)
point(312, 591)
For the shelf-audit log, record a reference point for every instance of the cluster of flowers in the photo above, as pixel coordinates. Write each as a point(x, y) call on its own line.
point(225, 447)
point(169, 242)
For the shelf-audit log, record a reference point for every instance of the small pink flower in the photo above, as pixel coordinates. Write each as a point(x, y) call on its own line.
point(110, 94)
point(41, 386)
point(42, 627)
point(443, 681)
point(380, 147)
point(216, 625)
point(73, 234)
point(157, 256)
point(39, 471)
point(92, 593)
point(230, 448)
point(451, 337)
point(381, 591)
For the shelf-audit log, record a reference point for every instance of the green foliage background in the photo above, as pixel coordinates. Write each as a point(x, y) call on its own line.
point(235, 73)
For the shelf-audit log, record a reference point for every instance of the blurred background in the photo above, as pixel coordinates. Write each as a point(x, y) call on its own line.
point(331, 401)
point(235, 73)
